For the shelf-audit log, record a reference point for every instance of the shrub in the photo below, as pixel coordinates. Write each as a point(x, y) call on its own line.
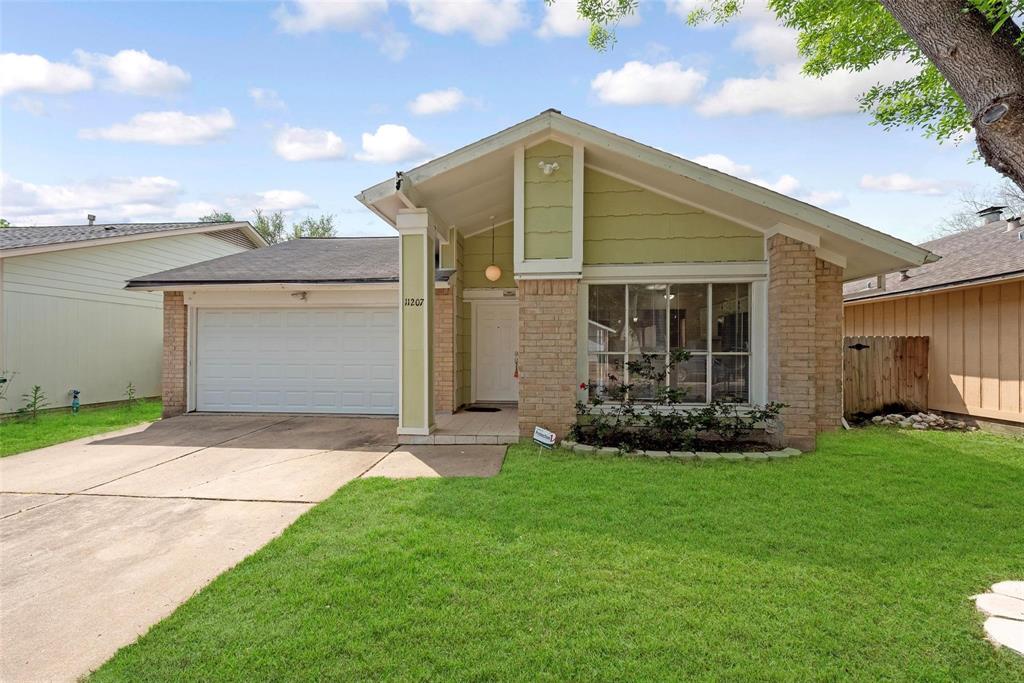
point(615, 416)
point(130, 397)
point(35, 400)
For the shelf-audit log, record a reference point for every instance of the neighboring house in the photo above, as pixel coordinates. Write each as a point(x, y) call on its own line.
point(67, 321)
point(603, 248)
point(971, 307)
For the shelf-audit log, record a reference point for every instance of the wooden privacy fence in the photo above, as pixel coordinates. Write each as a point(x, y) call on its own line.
point(884, 372)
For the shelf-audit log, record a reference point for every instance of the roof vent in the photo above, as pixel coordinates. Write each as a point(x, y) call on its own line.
point(991, 214)
point(904, 275)
point(1013, 223)
point(92, 219)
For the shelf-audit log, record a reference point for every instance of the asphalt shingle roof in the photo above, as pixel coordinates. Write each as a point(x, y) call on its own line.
point(337, 259)
point(17, 237)
point(981, 253)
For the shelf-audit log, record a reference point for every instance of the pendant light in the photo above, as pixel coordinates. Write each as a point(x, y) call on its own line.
point(493, 271)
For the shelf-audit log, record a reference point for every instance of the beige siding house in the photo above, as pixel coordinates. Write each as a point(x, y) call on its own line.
point(526, 267)
point(67, 320)
point(970, 305)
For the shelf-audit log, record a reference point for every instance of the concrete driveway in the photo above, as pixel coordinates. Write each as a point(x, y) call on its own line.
point(103, 537)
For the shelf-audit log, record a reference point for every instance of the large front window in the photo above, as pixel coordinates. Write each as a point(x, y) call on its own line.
point(711, 321)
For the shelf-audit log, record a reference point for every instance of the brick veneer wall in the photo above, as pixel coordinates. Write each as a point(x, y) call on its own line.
point(805, 319)
point(828, 306)
point(444, 351)
point(175, 356)
point(547, 355)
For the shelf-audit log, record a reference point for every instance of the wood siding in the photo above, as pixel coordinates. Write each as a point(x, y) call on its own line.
point(624, 223)
point(68, 322)
point(884, 373)
point(476, 256)
point(547, 201)
point(976, 354)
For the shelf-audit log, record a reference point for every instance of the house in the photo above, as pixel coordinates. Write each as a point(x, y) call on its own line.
point(68, 323)
point(526, 265)
point(970, 305)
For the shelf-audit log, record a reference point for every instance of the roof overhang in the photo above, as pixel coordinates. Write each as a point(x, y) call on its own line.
point(472, 189)
point(870, 296)
point(250, 232)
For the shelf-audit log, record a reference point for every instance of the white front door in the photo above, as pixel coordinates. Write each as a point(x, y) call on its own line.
point(496, 340)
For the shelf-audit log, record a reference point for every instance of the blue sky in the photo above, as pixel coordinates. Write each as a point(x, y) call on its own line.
point(161, 111)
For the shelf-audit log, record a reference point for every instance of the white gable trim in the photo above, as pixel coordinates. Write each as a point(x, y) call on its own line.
point(250, 232)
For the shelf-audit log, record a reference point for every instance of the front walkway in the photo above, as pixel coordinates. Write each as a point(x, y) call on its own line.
point(104, 536)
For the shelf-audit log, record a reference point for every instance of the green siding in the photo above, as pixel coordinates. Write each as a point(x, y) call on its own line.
point(415, 336)
point(547, 203)
point(623, 223)
point(448, 250)
point(476, 256)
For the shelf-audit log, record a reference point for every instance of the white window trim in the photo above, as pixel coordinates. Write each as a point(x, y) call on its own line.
point(757, 389)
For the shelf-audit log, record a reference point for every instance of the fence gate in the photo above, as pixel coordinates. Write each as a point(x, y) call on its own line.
point(884, 372)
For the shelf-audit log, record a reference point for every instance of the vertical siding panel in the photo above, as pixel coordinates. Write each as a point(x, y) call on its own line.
point(889, 317)
point(1009, 348)
point(901, 318)
point(972, 348)
point(939, 371)
point(914, 316)
point(990, 347)
point(876, 319)
point(955, 350)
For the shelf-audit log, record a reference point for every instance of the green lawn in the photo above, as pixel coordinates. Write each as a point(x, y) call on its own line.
point(17, 436)
point(855, 563)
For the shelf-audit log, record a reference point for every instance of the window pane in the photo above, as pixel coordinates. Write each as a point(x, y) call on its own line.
point(607, 316)
point(605, 376)
point(729, 379)
point(691, 378)
point(732, 317)
point(688, 311)
point(647, 304)
point(646, 375)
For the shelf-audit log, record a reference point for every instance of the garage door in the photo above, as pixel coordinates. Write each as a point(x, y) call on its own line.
point(310, 360)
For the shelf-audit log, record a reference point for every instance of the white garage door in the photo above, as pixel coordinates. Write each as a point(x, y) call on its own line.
point(310, 360)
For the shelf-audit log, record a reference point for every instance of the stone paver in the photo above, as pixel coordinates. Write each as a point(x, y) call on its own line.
point(1004, 606)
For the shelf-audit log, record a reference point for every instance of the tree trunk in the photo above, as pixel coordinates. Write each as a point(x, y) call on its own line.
point(986, 70)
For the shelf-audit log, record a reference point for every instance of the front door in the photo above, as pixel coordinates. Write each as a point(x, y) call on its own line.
point(496, 340)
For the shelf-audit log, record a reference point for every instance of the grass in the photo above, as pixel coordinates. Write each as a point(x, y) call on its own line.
point(855, 563)
point(58, 426)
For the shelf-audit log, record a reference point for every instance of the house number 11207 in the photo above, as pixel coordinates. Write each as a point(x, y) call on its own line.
point(413, 302)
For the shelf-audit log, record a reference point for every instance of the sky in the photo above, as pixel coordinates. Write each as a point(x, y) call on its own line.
point(161, 111)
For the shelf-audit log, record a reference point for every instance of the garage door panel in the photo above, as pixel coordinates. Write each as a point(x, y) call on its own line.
point(312, 360)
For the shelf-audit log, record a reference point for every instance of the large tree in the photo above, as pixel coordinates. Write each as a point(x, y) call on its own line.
point(968, 52)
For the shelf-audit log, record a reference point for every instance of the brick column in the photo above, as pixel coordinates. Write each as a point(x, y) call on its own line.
point(175, 358)
point(444, 350)
point(547, 355)
point(792, 342)
point(828, 307)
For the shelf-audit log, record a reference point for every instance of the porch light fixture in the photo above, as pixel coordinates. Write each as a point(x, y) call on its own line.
point(493, 271)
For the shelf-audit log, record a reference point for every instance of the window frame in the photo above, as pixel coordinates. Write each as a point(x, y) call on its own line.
point(756, 330)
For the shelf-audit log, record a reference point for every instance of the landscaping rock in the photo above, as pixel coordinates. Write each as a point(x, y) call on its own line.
point(707, 455)
point(790, 452)
point(755, 456)
point(920, 425)
point(608, 450)
point(732, 456)
point(776, 455)
point(568, 445)
point(583, 448)
point(921, 421)
point(657, 454)
point(637, 454)
point(683, 455)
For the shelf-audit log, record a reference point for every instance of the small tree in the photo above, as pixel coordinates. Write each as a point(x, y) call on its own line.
point(323, 226)
point(269, 226)
point(130, 397)
point(4, 223)
point(35, 400)
point(217, 217)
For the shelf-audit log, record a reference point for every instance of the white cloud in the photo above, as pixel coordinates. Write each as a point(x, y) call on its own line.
point(638, 83)
point(438, 102)
point(488, 21)
point(901, 182)
point(318, 15)
point(391, 144)
point(789, 92)
point(111, 199)
point(391, 43)
point(33, 73)
point(265, 98)
point(769, 42)
point(561, 19)
point(824, 198)
point(284, 200)
point(785, 184)
point(308, 144)
point(30, 105)
point(166, 128)
point(722, 163)
point(135, 72)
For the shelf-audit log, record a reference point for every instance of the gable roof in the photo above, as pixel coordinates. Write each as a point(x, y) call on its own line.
point(977, 255)
point(17, 240)
point(472, 188)
point(325, 260)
